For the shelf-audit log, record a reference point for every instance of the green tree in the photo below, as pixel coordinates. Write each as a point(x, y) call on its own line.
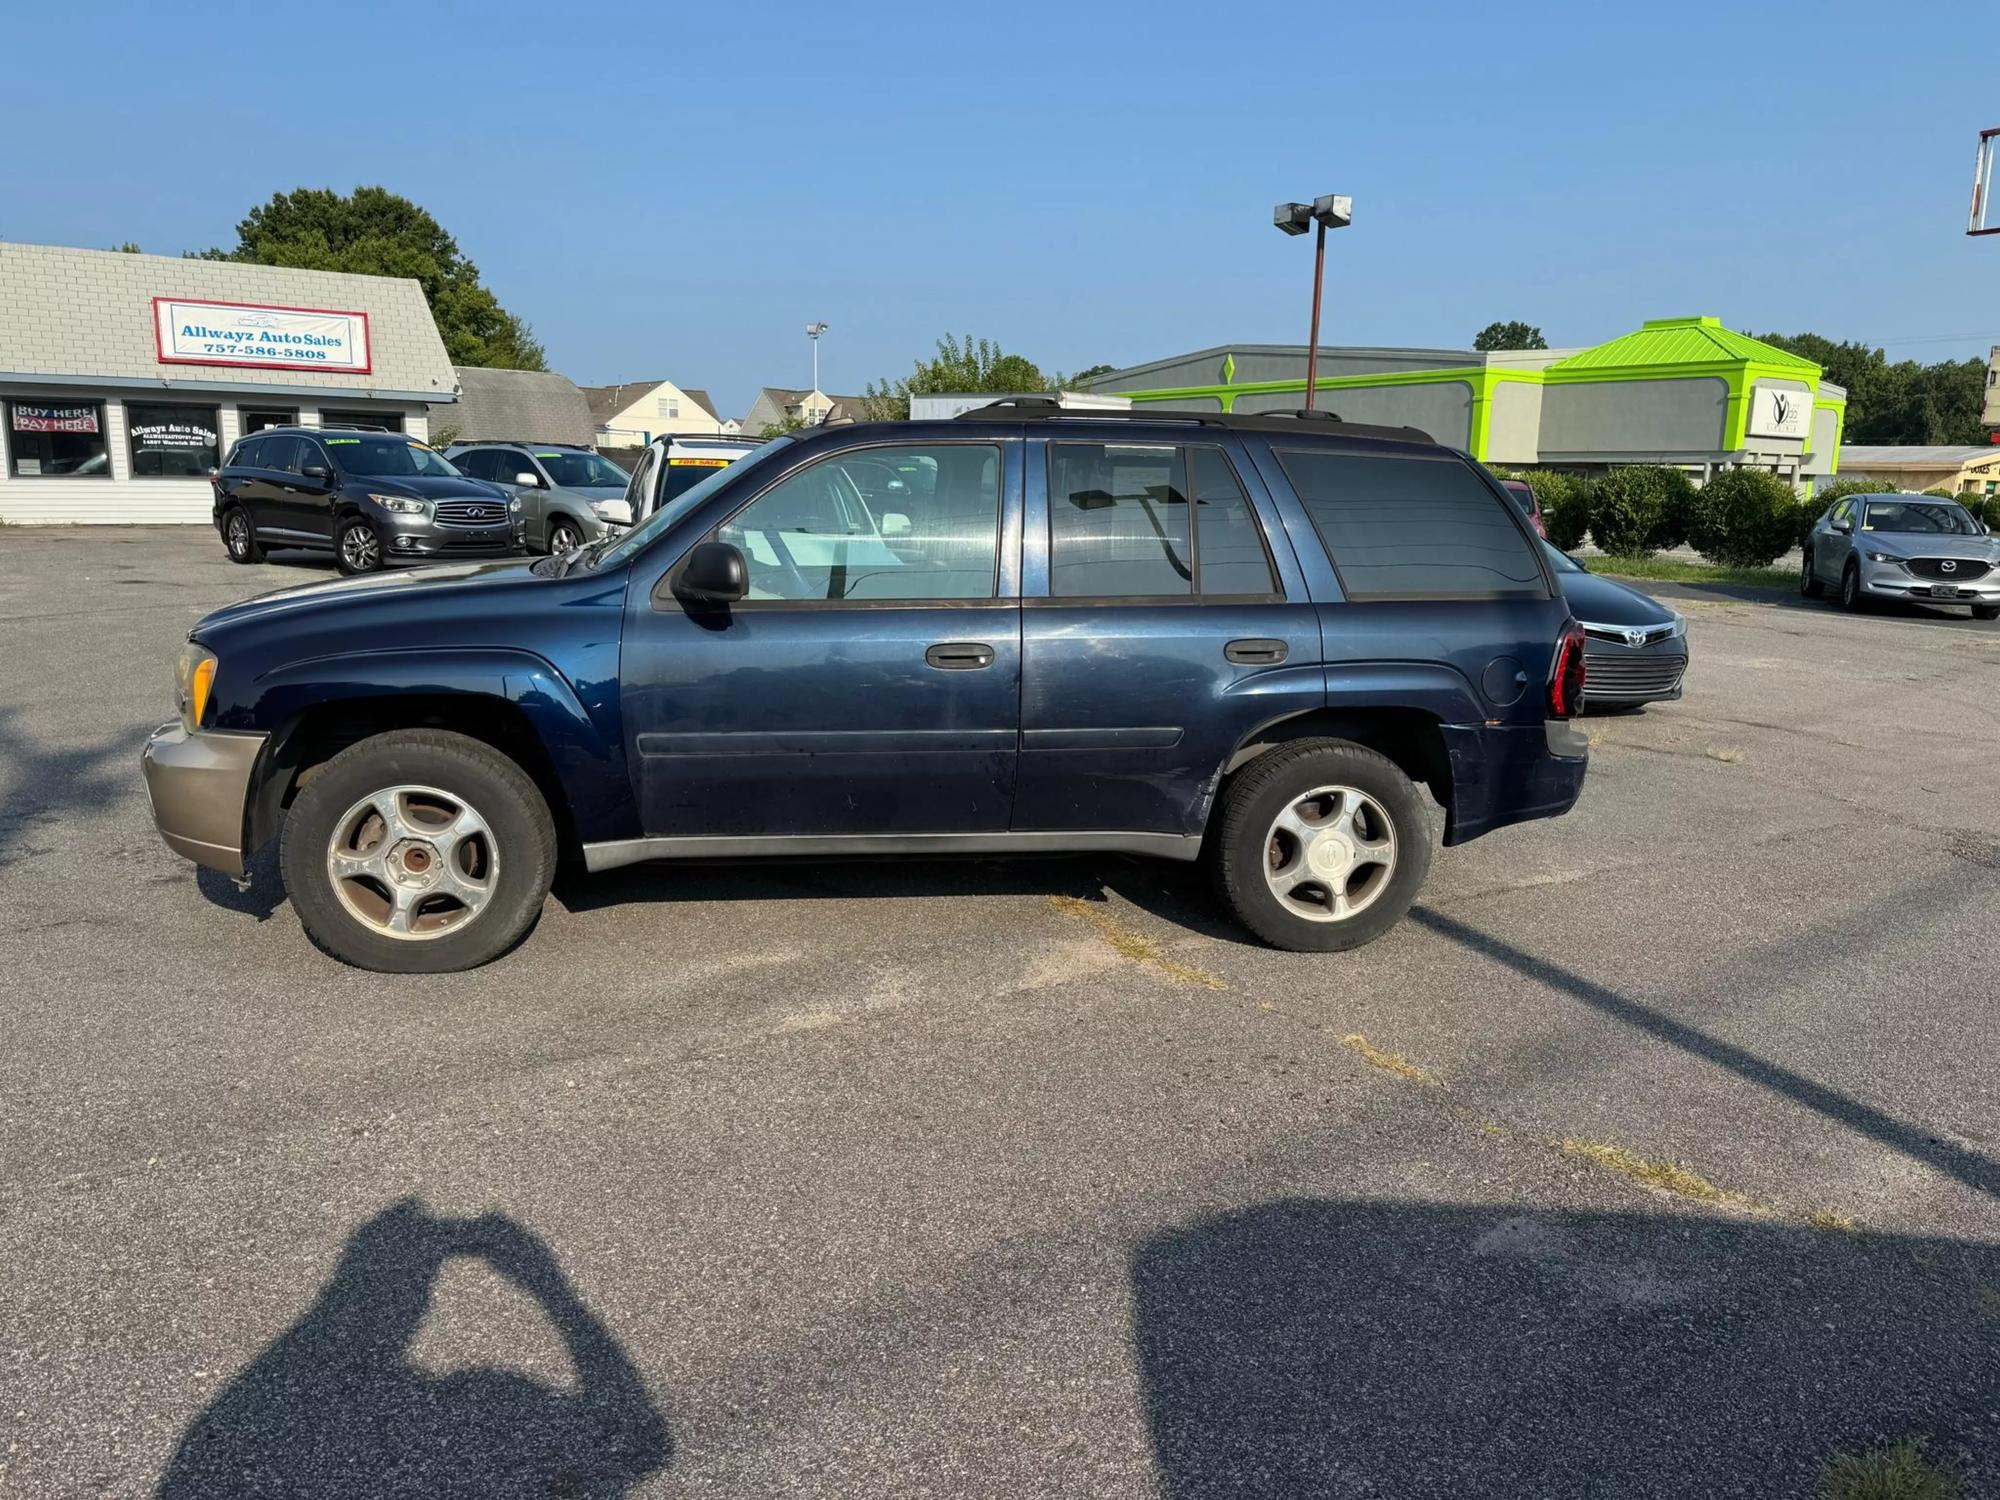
point(1744, 518)
point(1901, 403)
point(1514, 335)
point(375, 232)
point(1082, 377)
point(958, 365)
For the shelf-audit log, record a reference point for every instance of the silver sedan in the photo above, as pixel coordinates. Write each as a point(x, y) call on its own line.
point(1914, 547)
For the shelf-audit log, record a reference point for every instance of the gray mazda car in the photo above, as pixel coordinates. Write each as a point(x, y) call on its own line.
point(1920, 548)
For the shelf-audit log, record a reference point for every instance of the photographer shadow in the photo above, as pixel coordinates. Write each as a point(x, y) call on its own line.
point(335, 1406)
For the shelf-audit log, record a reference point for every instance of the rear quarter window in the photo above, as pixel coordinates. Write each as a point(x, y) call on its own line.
point(1413, 527)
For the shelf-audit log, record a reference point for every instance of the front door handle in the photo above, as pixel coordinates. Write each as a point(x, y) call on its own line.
point(959, 656)
point(1258, 651)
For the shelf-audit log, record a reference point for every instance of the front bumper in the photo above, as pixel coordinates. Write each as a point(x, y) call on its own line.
point(1887, 581)
point(1614, 674)
point(198, 782)
point(422, 539)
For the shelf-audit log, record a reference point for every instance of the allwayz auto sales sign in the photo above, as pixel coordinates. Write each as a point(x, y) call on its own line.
point(278, 338)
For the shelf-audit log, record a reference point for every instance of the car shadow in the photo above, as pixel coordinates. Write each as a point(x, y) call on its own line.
point(336, 1408)
point(259, 894)
point(1317, 1347)
point(41, 785)
point(1175, 891)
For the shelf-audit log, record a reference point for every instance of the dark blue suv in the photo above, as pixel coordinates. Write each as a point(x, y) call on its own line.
point(1247, 640)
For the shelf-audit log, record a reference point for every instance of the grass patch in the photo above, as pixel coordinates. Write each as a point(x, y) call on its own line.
point(1680, 570)
point(1666, 1175)
point(1894, 1471)
point(1388, 1062)
point(1134, 946)
point(1826, 1218)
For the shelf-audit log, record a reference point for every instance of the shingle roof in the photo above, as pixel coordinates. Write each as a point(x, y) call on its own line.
point(1683, 341)
point(606, 401)
point(700, 398)
point(533, 406)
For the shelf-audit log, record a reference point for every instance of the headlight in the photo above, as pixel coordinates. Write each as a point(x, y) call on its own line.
point(194, 675)
point(1680, 628)
point(402, 505)
point(515, 505)
point(615, 511)
point(1884, 557)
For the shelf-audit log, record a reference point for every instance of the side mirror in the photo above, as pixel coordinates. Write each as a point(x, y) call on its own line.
point(714, 573)
point(895, 523)
point(527, 480)
point(1843, 527)
point(319, 472)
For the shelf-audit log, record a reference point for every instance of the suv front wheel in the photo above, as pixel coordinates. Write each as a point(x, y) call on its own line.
point(418, 852)
point(1321, 845)
point(357, 549)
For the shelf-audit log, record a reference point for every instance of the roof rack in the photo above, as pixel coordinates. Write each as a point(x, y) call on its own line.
point(1046, 409)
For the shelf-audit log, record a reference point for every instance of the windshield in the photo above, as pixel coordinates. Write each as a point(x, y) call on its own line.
point(574, 470)
point(387, 456)
point(677, 506)
point(1935, 516)
point(1561, 561)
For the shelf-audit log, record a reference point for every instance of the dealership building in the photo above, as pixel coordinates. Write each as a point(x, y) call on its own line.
point(1686, 392)
point(124, 378)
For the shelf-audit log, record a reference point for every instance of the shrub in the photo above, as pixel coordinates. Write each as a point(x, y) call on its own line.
point(1942, 494)
point(1637, 510)
point(1744, 518)
point(1565, 500)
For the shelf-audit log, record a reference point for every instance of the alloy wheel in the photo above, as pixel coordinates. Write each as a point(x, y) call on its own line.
point(413, 862)
point(1329, 854)
point(239, 534)
point(360, 548)
point(564, 538)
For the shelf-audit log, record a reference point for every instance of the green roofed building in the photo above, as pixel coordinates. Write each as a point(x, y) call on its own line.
point(1680, 391)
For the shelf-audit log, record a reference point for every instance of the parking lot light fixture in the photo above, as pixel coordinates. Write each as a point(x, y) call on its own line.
point(813, 331)
point(1328, 211)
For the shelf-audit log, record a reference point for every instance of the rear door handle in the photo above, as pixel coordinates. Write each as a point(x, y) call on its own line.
point(959, 656)
point(1257, 651)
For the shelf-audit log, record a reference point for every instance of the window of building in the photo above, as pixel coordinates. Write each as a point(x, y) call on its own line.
point(667, 406)
point(257, 418)
point(813, 535)
point(57, 440)
point(171, 441)
point(1413, 527)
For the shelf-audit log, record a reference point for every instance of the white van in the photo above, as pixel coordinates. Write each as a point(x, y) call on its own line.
point(672, 465)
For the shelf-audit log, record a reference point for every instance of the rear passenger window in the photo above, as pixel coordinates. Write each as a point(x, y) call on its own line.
point(478, 464)
point(1120, 526)
point(1413, 527)
point(1118, 521)
point(249, 454)
point(280, 453)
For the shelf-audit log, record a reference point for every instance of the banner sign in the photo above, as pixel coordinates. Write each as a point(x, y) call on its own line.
point(1780, 413)
point(173, 435)
point(245, 334)
point(36, 418)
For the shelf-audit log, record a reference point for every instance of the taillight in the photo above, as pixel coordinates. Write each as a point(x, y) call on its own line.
point(1566, 676)
point(1540, 530)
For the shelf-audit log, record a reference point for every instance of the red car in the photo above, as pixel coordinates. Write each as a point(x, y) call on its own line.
point(1524, 498)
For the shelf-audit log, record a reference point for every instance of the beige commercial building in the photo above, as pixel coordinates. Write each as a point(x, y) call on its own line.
point(125, 378)
point(1959, 471)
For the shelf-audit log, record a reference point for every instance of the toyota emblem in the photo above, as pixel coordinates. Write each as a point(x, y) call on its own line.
point(1635, 637)
point(1947, 566)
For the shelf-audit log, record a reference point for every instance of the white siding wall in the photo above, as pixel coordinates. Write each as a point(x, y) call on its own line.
point(123, 499)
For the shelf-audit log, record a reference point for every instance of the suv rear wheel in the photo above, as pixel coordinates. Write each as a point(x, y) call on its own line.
point(418, 852)
point(357, 548)
point(1321, 845)
point(240, 537)
point(564, 536)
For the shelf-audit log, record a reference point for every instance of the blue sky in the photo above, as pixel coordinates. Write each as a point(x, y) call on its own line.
point(672, 190)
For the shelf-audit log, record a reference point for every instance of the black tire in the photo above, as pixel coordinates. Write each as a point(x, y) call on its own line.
point(1809, 584)
point(1851, 597)
point(1241, 841)
point(1986, 611)
point(523, 846)
point(239, 537)
point(564, 536)
point(356, 547)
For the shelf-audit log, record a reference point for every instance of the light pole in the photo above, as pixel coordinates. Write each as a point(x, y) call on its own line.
point(1329, 212)
point(813, 331)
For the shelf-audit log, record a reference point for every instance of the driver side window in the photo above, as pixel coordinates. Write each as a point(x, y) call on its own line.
point(893, 522)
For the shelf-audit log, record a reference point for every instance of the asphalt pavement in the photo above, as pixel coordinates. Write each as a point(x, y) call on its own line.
point(1657, 1153)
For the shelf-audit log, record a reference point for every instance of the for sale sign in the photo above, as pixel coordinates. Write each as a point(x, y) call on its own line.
point(36, 417)
point(259, 337)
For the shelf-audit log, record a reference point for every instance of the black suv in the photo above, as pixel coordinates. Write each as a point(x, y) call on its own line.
point(368, 497)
